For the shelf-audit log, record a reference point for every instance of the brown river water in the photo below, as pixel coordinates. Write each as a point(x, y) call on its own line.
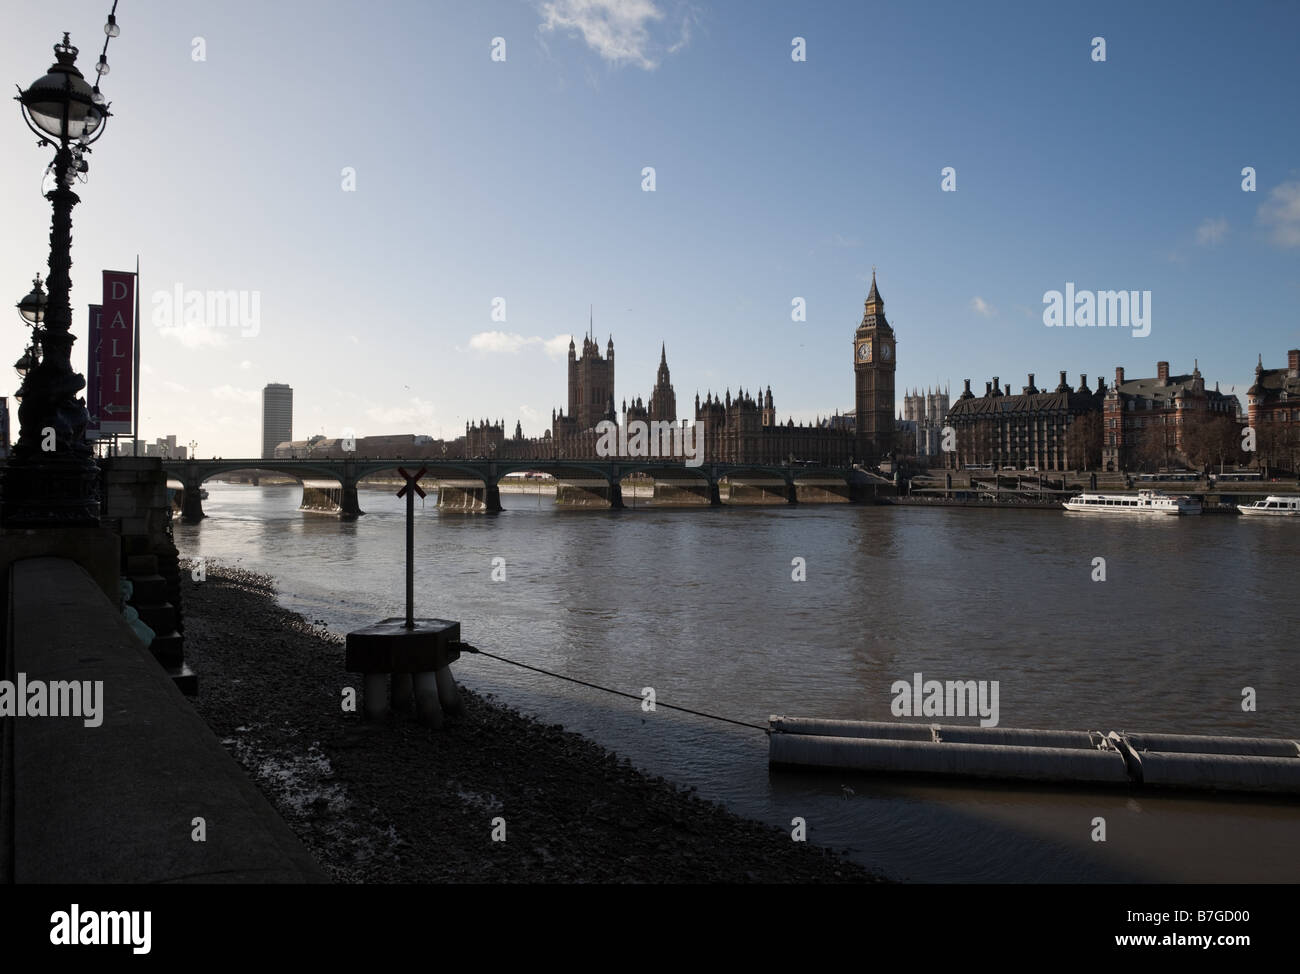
point(700, 604)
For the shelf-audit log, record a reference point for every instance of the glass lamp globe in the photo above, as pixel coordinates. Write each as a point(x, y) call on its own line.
point(61, 104)
point(32, 307)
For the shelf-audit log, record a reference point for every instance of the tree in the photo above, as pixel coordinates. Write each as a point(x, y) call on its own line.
point(1083, 441)
point(1270, 441)
point(1211, 438)
point(1151, 450)
point(1277, 444)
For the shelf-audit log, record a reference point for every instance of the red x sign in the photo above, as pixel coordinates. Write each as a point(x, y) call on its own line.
point(412, 483)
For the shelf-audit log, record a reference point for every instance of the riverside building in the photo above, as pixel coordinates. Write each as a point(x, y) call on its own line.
point(1147, 421)
point(1273, 404)
point(740, 428)
point(1029, 430)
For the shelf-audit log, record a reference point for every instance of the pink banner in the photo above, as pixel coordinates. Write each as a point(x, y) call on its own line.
point(116, 352)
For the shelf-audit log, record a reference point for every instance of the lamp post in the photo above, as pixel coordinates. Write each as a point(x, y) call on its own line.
point(56, 487)
point(32, 307)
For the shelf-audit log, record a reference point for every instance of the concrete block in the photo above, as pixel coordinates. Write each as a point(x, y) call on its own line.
point(96, 550)
point(389, 647)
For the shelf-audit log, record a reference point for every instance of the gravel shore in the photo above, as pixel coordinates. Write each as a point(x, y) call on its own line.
point(396, 802)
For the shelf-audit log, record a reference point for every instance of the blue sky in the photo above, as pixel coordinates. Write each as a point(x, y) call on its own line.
point(521, 179)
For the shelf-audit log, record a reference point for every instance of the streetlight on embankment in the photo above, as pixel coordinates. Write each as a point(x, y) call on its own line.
point(52, 479)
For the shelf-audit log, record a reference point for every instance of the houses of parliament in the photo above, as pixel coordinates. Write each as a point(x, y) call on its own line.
point(737, 429)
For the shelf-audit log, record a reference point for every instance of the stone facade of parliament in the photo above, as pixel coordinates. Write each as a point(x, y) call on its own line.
point(737, 429)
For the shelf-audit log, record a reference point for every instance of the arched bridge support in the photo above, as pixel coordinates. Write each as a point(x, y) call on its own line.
point(192, 500)
point(349, 506)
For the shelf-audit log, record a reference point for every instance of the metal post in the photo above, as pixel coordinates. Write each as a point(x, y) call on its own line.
point(410, 553)
point(135, 372)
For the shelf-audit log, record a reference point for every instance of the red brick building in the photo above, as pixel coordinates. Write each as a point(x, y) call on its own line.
point(1146, 422)
point(1273, 406)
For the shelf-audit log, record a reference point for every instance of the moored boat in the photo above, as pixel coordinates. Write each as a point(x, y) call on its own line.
point(1143, 502)
point(1273, 506)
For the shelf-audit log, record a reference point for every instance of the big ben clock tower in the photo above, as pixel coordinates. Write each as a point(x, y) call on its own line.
point(873, 370)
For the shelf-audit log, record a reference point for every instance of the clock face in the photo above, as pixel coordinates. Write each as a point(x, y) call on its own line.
point(886, 352)
point(864, 352)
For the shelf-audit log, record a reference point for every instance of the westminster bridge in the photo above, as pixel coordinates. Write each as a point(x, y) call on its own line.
point(476, 484)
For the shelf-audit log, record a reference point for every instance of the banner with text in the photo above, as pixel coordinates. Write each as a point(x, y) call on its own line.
point(94, 371)
point(116, 352)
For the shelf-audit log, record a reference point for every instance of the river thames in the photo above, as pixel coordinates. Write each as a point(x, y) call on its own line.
point(700, 604)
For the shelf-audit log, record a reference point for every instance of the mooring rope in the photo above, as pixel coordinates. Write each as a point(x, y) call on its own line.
point(466, 647)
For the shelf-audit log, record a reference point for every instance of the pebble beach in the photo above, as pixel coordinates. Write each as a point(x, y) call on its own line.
point(395, 802)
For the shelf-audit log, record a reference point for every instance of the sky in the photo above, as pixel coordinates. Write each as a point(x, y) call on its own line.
point(381, 191)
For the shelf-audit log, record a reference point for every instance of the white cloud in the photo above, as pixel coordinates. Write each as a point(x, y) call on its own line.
point(1281, 211)
point(557, 347)
point(497, 342)
point(618, 30)
point(171, 386)
point(842, 241)
point(235, 394)
point(246, 364)
point(982, 307)
point(416, 416)
point(194, 335)
point(1211, 231)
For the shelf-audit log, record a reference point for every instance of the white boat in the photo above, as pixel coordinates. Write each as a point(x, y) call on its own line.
point(1144, 502)
point(1273, 506)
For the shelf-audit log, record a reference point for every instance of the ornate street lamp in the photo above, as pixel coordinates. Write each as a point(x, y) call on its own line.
point(57, 488)
point(25, 364)
point(32, 307)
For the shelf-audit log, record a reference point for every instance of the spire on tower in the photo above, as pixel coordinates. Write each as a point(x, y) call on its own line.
point(874, 294)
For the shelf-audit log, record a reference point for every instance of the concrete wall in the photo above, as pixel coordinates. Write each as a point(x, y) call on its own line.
point(462, 495)
point(681, 493)
point(116, 803)
point(824, 492)
point(755, 492)
point(582, 493)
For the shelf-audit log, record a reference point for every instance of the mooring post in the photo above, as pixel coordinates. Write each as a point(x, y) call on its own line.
point(406, 688)
point(411, 487)
point(415, 653)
